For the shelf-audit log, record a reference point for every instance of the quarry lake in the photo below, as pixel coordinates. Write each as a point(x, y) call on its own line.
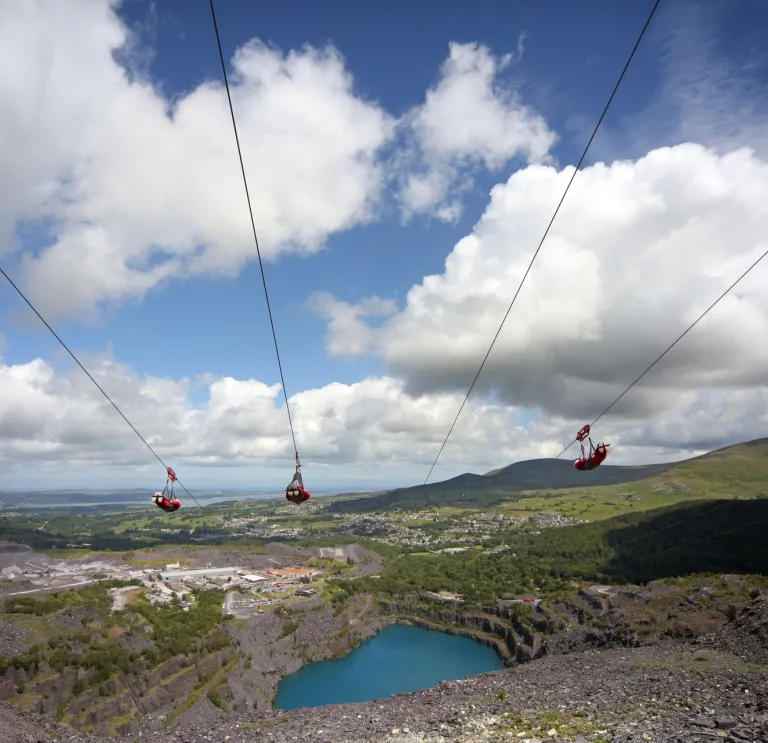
point(399, 659)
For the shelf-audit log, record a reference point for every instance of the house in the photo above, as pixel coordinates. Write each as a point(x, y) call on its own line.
point(291, 573)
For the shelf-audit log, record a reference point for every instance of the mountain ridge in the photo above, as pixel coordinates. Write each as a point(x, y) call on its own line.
point(544, 474)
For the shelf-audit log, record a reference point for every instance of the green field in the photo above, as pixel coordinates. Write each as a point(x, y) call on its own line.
point(736, 472)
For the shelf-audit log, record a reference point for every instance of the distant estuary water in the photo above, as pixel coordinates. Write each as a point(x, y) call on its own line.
point(399, 659)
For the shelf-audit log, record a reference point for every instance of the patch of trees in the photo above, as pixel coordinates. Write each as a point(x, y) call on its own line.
point(710, 536)
point(99, 656)
point(179, 632)
point(94, 597)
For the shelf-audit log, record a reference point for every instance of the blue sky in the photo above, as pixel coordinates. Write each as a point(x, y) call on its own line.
point(569, 69)
point(571, 56)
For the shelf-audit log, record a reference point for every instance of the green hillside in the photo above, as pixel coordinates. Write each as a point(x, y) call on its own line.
point(724, 536)
point(555, 485)
point(725, 471)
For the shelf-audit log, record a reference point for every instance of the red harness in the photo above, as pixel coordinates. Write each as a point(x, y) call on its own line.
point(168, 505)
point(296, 492)
point(596, 456)
point(169, 502)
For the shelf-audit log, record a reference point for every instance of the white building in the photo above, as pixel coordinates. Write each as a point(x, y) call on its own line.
point(204, 573)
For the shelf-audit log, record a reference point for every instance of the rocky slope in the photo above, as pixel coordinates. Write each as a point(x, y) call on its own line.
point(659, 693)
point(624, 672)
point(745, 636)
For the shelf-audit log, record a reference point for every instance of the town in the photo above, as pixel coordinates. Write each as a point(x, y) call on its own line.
point(408, 529)
point(245, 592)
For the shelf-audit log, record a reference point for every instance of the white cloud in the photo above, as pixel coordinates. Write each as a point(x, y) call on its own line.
point(59, 418)
point(140, 188)
point(710, 92)
point(113, 188)
point(348, 333)
point(137, 189)
point(637, 252)
point(469, 119)
point(60, 421)
point(716, 97)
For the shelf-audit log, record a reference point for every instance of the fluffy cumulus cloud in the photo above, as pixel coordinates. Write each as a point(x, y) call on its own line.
point(55, 417)
point(117, 187)
point(134, 187)
point(638, 251)
point(469, 119)
point(111, 188)
point(348, 332)
point(57, 420)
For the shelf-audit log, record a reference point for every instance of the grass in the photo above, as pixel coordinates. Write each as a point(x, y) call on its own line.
point(538, 724)
point(136, 562)
point(72, 554)
point(453, 510)
point(25, 701)
point(607, 501)
point(150, 518)
point(122, 720)
point(247, 549)
point(737, 471)
point(196, 694)
point(35, 627)
point(703, 662)
point(134, 597)
point(288, 629)
point(323, 524)
point(416, 522)
point(170, 679)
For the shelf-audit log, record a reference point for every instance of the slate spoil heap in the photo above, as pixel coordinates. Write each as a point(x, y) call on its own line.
point(712, 689)
point(669, 692)
point(747, 635)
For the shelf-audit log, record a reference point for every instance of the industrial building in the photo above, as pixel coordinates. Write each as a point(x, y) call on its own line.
point(203, 573)
point(252, 578)
point(291, 573)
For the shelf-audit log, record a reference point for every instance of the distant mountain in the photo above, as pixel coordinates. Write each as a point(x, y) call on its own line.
point(550, 474)
point(745, 463)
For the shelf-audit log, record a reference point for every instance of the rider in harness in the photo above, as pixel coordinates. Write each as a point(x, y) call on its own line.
point(597, 454)
point(295, 492)
point(166, 499)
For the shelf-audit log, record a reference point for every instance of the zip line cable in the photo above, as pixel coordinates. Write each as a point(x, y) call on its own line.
point(88, 374)
point(656, 361)
point(671, 346)
point(253, 224)
point(549, 226)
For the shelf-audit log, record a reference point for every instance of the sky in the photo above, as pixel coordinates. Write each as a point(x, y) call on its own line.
point(403, 166)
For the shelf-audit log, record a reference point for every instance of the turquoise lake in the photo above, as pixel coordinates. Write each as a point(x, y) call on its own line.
point(399, 659)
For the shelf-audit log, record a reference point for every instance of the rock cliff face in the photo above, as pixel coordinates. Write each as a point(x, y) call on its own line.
point(216, 692)
point(111, 707)
point(668, 692)
point(746, 635)
point(278, 646)
point(502, 629)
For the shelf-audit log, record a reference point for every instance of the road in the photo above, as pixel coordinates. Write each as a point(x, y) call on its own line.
point(603, 590)
point(51, 588)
